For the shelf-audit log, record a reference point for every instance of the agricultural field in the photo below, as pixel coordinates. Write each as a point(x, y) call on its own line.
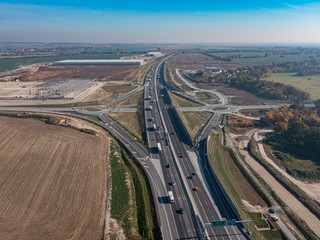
point(309, 84)
point(53, 181)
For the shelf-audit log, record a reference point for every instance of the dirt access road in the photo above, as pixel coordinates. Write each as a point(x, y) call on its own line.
point(52, 181)
point(293, 203)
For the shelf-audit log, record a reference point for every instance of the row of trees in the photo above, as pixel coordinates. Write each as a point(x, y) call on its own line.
point(250, 79)
point(299, 126)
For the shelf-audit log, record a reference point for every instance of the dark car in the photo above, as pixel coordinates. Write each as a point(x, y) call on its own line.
point(167, 165)
point(172, 183)
point(271, 210)
point(193, 174)
point(181, 211)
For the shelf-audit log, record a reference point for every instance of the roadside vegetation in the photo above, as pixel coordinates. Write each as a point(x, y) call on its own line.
point(239, 125)
point(207, 96)
point(245, 194)
point(131, 203)
point(130, 122)
point(194, 121)
point(133, 101)
point(118, 88)
point(178, 101)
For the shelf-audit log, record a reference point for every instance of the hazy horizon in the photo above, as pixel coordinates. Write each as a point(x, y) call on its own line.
point(179, 22)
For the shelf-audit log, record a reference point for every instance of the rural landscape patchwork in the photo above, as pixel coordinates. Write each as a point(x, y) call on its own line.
point(159, 125)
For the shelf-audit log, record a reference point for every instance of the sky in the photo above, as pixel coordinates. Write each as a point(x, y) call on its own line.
point(166, 21)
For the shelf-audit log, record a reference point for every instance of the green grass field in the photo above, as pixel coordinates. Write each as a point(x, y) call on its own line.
point(274, 59)
point(310, 84)
point(13, 63)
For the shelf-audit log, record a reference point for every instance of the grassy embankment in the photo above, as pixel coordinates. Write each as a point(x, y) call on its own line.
point(293, 189)
point(207, 96)
point(194, 121)
point(131, 203)
point(130, 122)
point(182, 102)
point(239, 186)
point(309, 84)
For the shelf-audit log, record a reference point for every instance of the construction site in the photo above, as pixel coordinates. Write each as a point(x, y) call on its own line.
point(65, 80)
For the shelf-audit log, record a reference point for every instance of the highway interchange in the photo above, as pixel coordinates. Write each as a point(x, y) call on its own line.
point(178, 166)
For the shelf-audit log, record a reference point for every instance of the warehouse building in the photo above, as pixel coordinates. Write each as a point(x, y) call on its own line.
point(97, 62)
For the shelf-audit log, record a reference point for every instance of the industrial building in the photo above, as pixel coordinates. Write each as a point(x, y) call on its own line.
point(97, 62)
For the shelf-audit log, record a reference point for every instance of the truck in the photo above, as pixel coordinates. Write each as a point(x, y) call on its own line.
point(155, 127)
point(171, 197)
point(159, 147)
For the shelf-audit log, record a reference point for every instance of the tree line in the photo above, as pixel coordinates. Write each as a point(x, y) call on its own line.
point(299, 127)
point(250, 78)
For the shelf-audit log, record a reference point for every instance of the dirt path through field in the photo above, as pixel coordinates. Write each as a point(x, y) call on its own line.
point(295, 205)
point(312, 189)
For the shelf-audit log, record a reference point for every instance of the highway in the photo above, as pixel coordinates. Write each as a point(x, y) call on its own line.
point(206, 208)
point(156, 135)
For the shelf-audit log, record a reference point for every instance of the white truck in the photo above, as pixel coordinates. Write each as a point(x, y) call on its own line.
point(171, 197)
point(159, 147)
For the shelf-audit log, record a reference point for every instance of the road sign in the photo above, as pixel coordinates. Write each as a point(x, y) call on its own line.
point(223, 223)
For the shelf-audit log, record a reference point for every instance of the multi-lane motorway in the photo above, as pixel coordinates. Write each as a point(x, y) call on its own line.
point(171, 163)
point(192, 192)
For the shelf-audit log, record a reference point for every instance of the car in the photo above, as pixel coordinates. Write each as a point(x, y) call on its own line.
point(271, 210)
point(180, 211)
point(193, 174)
point(181, 156)
point(195, 189)
point(172, 183)
point(275, 219)
point(190, 177)
point(167, 165)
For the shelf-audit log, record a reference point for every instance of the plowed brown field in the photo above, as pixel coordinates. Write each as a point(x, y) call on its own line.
point(52, 181)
